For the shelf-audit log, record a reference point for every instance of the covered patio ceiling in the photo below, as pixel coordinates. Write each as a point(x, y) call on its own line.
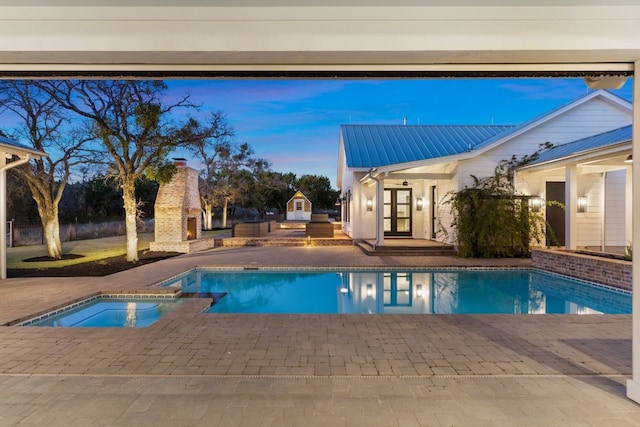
point(294, 38)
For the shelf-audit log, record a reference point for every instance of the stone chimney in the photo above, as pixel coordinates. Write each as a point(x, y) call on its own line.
point(178, 218)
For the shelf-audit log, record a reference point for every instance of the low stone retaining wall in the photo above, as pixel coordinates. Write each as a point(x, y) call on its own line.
point(185, 247)
point(232, 242)
point(606, 271)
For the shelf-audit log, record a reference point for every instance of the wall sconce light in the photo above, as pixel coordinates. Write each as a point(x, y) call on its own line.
point(582, 204)
point(629, 159)
point(338, 201)
point(419, 292)
point(536, 203)
point(419, 203)
point(369, 204)
point(369, 289)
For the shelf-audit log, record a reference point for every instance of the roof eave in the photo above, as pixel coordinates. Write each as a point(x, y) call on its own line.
point(577, 157)
point(429, 162)
point(21, 151)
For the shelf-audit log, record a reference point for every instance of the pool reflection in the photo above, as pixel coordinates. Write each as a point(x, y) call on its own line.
point(475, 292)
point(402, 292)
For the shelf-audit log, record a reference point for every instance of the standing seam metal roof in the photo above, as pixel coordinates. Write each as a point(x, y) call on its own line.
point(369, 146)
point(583, 145)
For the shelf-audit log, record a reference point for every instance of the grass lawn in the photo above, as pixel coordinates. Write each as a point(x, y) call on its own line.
point(90, 250)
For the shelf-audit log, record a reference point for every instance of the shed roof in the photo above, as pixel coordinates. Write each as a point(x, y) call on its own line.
point(368, 146)
point(584, 145)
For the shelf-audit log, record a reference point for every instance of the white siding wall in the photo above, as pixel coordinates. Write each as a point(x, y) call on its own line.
point(363, 221)
point(345, 185)
point(614, 217)
point(444, 187)
point(419, 224)
point(589, 223)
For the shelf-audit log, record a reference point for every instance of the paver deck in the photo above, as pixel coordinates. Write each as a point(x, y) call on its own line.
point(192, 368)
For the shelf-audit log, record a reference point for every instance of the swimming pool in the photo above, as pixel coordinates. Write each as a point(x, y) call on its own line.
point(108, 312)
point(399, 292)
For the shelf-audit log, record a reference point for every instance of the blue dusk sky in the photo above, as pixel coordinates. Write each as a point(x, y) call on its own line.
point(295, 123)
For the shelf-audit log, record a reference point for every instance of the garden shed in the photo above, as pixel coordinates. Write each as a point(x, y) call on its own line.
point(299, 208)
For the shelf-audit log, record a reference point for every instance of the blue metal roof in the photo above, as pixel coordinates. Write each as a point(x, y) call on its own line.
point(11, 143)
point(580, 146)
point(370, 146)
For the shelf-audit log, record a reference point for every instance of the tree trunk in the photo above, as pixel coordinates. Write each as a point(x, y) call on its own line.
point(48, 212)
point(207, 216)
point(51, 229)
point(130, 214)
point(225, 205)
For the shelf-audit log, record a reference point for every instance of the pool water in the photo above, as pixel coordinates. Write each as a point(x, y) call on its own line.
point(109, 312)
point(400, 292)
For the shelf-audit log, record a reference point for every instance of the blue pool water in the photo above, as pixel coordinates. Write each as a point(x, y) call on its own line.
point(109, 312)
point(400, 292)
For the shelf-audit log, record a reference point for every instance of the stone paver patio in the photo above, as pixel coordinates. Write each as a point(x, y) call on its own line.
point(192, 368)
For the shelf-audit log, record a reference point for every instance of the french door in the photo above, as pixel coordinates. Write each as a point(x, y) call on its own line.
point(397, 212)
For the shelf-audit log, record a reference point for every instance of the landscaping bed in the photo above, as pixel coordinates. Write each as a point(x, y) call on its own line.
point(102, 267)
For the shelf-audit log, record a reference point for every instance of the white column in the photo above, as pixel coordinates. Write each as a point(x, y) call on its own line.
point(628, 206)
point(380, 212)
point(571, 207)
point(633, 385)
point(3, 216)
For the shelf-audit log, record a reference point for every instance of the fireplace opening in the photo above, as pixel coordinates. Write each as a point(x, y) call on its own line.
point(192, 232)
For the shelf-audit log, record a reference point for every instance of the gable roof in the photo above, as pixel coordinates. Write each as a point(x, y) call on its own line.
point(369, 146)
point(547, 116)
point(583, 146)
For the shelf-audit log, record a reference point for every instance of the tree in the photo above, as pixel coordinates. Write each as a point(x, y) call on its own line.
point(229, 170)
point(234, 176)
point(46, 126)
point(210, 151)
point(133, 124)
point(271, 190)
point(318, 189)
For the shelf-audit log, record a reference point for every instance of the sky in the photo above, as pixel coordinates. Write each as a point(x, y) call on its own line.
point(295, 124)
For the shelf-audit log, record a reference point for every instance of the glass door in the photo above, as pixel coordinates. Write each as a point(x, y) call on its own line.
point(397, 212)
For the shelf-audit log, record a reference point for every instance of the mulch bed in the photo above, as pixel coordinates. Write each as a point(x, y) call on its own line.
point(101, 267)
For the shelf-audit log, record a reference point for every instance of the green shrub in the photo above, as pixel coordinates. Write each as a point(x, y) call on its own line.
point(491, 220)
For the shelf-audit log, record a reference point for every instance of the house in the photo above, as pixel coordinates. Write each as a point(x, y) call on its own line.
point(394, 179)
point(299, 207)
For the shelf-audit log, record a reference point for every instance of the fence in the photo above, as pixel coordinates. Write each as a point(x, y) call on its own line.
point(31, 233)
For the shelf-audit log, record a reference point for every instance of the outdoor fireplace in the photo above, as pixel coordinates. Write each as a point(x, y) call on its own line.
point(178, 220)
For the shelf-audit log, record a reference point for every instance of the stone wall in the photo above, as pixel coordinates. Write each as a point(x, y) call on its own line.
point(602, 270)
